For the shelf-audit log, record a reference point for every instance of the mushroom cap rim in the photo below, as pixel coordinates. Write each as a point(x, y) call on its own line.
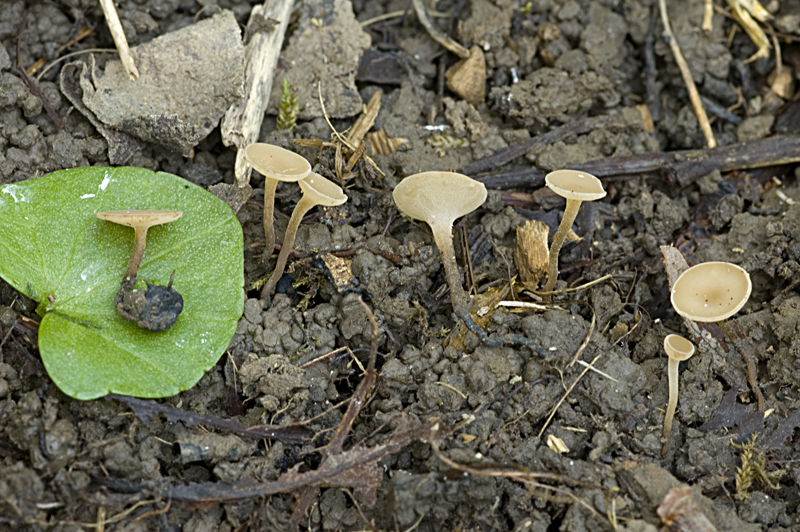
point(322, 190)
point(289, 174)
point(139, 218)
point(678, 352)
point(438, 189)
point(563, 182)
point(699, 271)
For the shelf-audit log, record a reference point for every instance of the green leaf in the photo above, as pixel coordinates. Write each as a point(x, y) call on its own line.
point(54, 250)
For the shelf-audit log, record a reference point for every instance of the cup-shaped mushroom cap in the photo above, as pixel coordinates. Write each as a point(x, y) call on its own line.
point(712, 291)
point(575, 185)
point(322, 191)
point(678, 348)
point(144, 218)
point(277, 163)
point(438, 197)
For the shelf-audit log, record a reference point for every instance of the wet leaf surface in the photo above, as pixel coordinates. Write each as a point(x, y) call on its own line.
point(54, 250)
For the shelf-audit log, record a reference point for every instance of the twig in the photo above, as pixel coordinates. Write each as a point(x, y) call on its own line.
point(120, 41)
point(585, 342)
point(581, 127)
point(242, 121)
point(32, 85)
point(685, 166)
point(686, 74)
point(566, 394)
point(433, 31)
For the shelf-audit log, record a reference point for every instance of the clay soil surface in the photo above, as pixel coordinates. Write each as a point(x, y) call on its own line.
point(470, 443)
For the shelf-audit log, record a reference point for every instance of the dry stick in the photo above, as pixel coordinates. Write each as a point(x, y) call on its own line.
point(335, 446)
point(433, 31)
point(685, 166)
point(114, 26)
point(581, 127)
point(686, 74)
point(566, 394)
point(242, 121)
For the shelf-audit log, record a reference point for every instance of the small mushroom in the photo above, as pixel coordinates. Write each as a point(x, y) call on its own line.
point(711, 292)
point(316, 191)
point(576, 187)
point(438, 198)
point(157, 307)
point(678, 349)
point(275, 164)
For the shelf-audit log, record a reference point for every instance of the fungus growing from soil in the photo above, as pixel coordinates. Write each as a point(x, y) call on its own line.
point(576, 187)
point(438, 199)
point(678, 349)
point(711, 292)
point(275, 164)
point(156, 308)
point(316, 191)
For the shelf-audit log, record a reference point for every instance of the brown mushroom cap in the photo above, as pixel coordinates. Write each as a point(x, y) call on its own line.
point(143, 218)
point(678, 348)
point(321, 191)
point(712, 291)
point(438, 197)
point(575, 185)
point(277, 163)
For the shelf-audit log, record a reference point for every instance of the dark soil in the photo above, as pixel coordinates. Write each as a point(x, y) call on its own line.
point(71, 465)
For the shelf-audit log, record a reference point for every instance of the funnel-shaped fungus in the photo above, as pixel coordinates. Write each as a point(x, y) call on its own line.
point(678, 349)
point(157, 307)
point(316, 191)
point(438, 198)
point(576, 187)
point(711, 292)
point(275, 164)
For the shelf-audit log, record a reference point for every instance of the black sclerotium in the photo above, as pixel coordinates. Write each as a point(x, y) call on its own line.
point(155, 308)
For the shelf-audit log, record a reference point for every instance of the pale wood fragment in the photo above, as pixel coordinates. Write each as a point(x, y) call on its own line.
point(531, 254)
point(242, 122)
point(120, 41)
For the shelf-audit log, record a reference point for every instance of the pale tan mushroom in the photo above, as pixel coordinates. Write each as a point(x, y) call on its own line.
point(316, 191)
point(156, 308)
point(711, 292)
point(678, 349)
point(576, 187)
point(438, 199)
point(275, 164)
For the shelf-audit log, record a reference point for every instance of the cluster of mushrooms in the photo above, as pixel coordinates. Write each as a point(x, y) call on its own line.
point(708, 292)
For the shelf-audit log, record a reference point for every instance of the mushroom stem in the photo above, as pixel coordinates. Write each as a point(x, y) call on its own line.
point(442, 235)
point(570, 213)
point(269, 211)
point(672, 375)
point(303, 206)
point(139, 243)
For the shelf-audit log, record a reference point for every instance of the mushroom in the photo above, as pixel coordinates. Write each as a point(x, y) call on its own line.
point(678, 349)
point(713, 292)
point(275, 164)
point(576, 187)
point(157, 307)
point(316, 191)
point(438, 198)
